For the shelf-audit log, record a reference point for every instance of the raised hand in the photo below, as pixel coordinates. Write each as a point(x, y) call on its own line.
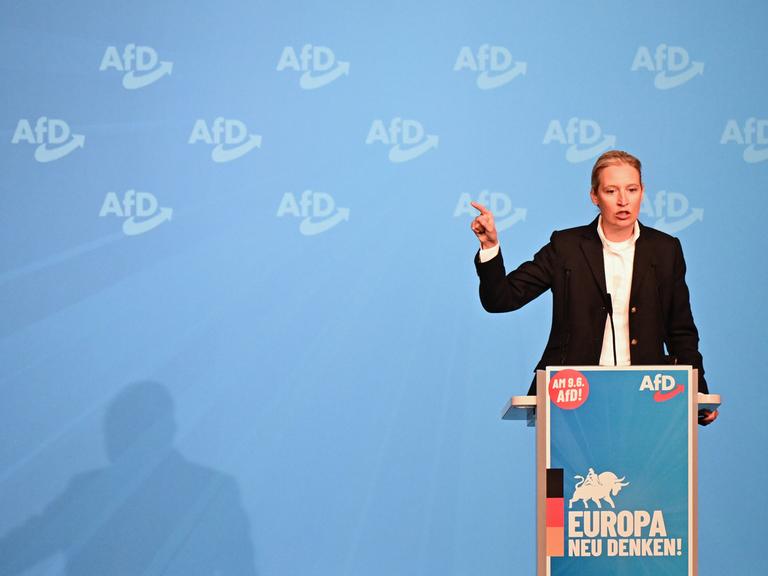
point(484, 228)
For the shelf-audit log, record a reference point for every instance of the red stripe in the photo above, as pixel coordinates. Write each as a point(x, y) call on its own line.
point(555, 512)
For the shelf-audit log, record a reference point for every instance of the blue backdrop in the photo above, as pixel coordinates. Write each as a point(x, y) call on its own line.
point(241, 330)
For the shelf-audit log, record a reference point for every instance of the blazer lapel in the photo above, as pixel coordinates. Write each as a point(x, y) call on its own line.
point(593, 252)
point(643, 261)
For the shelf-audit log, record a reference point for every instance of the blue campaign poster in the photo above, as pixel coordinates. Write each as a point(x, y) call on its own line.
point(623, 440)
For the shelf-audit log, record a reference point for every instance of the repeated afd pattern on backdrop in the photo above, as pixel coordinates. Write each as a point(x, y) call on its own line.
point(237, 287)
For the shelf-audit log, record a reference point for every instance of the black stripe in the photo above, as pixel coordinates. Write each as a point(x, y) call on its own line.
point(554, 482)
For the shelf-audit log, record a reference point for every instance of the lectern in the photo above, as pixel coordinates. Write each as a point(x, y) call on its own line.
point(615, 468)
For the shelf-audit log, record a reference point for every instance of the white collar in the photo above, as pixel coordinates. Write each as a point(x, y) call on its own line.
point(621, 245)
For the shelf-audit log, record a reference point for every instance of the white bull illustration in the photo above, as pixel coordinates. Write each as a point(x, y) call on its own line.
point(596, 487)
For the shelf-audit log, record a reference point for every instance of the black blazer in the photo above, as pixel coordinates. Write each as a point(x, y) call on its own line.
point(571, 265)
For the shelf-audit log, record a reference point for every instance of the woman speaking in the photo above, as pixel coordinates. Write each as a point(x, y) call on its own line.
point(619, 295)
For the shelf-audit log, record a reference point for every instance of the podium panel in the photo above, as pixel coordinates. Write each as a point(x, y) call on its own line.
point(616, 471)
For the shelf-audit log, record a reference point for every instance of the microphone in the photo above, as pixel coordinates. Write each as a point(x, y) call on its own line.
point(609, 302)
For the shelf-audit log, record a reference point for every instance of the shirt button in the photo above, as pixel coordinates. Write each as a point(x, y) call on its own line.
point(633, 309)
point(633, 342)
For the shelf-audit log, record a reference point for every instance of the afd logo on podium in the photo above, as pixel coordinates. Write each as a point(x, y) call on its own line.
point(53, 137)
point(229, 137)
point(672, 65)
point(141, 66)
point(317, 64)
point(753, 135)
point(406, 138)
point(584, 138)
point(505, 214)
point(140, 211)
point(663, 386)
point(494, 65)
point(671, 211)
point(317, 211)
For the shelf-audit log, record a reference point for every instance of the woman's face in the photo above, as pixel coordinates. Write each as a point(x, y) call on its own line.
point(618, 196)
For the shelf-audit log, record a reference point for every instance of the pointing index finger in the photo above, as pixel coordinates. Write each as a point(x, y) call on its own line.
point(480, 207)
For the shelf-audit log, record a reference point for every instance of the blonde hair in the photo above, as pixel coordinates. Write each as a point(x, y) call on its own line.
point(611, 158)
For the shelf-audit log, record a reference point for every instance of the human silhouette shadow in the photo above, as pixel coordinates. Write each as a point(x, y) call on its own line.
point(149, 512)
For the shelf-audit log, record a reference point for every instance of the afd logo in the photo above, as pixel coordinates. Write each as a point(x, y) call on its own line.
point(316, 209)
point(316, 63)
point(406, 138)
point(663, 387)
point(140, 211)
point(140, 64)
point(494, 64)
point(505, 215)
point(230, 138)
point(671, 210)
point(672, 65)
point(53, 138)
point(584, 138)
point(753, 135)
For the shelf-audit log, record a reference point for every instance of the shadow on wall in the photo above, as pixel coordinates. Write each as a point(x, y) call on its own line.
point(150, 511)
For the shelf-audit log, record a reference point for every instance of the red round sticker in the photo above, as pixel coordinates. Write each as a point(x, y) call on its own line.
point(568, 389)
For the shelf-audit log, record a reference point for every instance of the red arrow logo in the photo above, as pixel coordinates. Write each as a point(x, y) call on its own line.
point(660, 396)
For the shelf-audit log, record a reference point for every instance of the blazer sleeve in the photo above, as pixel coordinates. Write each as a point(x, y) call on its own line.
point(682, 335)
point(502, 292)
